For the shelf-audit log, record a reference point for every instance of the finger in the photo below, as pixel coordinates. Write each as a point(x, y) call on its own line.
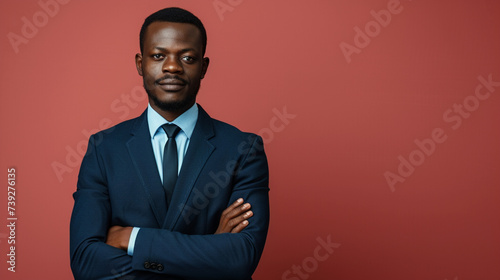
point(234, 222)
point(238, 211)
point(240, 227)
point(231, 207)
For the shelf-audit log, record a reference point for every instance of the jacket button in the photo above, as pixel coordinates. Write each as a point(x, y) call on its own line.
point(154, 266)
point(147, 265)
point(160, 267)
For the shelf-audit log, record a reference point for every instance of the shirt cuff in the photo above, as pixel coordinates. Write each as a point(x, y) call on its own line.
point(131, 241)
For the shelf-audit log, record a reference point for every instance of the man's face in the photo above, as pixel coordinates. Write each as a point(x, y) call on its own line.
point(172, 65)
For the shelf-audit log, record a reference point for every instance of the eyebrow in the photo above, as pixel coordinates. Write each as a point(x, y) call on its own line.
point(182, 51)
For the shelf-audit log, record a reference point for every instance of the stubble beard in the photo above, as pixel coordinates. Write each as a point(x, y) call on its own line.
point(173, 106)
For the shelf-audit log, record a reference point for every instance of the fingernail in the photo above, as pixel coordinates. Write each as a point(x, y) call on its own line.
point(247, 214)
point(246, 206)
point(239, 200)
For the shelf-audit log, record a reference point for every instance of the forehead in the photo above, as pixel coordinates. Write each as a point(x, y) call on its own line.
point(171, 35)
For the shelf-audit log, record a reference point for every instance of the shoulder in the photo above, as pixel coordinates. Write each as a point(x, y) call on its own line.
point(224, 127)
point(225, 132)
point(219, 127)
point(232, 139)
point(122, 130)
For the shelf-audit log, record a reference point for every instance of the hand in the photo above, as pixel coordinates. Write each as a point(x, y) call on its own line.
point(118, 237)
point(234, 218)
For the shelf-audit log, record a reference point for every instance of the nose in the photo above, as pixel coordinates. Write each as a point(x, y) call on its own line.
point(172, 65)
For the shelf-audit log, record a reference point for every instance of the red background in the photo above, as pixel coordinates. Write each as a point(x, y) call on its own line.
point(352, 122)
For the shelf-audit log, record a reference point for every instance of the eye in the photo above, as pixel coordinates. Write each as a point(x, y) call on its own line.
point(157, 56)
point(188, 59)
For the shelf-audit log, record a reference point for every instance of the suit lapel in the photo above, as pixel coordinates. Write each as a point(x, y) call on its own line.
point(198, 152)
point(141, 152)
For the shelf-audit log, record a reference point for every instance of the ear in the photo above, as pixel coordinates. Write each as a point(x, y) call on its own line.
point(204, 66)
point(138, 63)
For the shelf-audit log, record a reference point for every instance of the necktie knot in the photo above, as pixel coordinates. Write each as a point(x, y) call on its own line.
point(171, 130)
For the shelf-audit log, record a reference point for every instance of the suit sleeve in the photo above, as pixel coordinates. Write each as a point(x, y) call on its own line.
point(221, 256)
point(91, 257)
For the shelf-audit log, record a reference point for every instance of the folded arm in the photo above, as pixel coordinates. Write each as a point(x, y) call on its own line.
point(219, 256)
point(211, 256)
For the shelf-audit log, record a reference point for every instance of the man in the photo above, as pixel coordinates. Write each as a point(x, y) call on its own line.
point(167, 195)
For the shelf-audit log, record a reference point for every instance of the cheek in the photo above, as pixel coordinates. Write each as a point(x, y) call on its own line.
point(194, 74)
point(151, 69)
point(150, 75)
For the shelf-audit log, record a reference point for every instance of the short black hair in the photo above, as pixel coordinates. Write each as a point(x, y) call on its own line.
point(173, 14)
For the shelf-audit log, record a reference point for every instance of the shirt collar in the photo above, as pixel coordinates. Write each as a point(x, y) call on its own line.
point(186, 121)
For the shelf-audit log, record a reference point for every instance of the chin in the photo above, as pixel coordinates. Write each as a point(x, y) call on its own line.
point(171, 101)
point(174, 105)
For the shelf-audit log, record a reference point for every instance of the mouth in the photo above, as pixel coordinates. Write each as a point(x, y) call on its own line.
point(171, 85)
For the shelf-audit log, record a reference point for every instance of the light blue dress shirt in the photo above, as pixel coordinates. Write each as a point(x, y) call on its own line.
point(187, 122)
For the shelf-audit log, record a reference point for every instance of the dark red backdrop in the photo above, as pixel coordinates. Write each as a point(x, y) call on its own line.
point(396, 103)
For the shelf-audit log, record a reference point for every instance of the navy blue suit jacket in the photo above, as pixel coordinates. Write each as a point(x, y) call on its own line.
point(119, 184)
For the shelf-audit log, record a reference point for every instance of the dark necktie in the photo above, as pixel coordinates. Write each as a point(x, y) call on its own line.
point(170, 161)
